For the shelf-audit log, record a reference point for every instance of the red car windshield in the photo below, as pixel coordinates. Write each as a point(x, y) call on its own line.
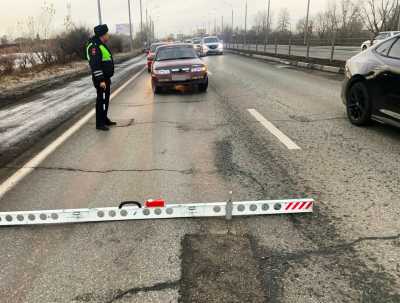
point(175, 53)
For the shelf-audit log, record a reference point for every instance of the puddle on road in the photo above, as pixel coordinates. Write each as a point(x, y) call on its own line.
point(219, 268)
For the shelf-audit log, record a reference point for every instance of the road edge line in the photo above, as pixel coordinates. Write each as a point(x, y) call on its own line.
point(29, 166)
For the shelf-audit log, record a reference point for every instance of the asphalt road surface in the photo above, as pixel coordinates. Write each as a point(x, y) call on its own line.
point(21, 123)
point(189, 147)
point(321, 52)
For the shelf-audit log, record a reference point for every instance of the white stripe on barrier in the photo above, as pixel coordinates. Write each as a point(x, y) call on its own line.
point(218, 209)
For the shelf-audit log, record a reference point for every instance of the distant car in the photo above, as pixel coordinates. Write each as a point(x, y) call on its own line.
point(211, 45)
point(178, 64)
point(188, 41)
point(371, 89)
point(197, 45)
point(380, 37)
point(150, 54)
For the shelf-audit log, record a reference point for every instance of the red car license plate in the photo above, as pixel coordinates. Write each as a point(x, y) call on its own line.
point(180, 77)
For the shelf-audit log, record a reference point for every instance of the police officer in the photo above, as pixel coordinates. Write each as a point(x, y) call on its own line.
point(102, 66)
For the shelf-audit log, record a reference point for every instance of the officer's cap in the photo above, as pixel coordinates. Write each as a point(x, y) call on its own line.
point(101, 30)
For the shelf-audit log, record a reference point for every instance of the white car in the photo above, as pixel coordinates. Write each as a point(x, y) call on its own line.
point(212, 45)
point(197, 45)
point(380, 37)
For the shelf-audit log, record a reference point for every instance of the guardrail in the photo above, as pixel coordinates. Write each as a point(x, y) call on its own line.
point(315, 49)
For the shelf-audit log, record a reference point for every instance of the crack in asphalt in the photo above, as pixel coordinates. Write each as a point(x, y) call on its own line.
point(136, 290)
point(152, 122)
point(276, 264)
point(159, 102)
point(331, 250)
point(305, 119)
point(107, 171)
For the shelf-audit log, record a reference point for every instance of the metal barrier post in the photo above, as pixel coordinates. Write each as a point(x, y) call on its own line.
point(256, 43)
point(333, 47)
point(276, 46)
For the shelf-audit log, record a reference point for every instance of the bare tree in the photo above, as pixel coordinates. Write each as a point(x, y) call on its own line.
point(379, 14)
point(322, 25)
point(284, 21)
point(260, 21)
point(343, 19)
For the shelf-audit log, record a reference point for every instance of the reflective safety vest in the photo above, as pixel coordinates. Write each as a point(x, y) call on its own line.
point(105, 54)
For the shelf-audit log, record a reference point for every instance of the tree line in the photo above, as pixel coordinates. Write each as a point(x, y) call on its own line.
point(340, 20)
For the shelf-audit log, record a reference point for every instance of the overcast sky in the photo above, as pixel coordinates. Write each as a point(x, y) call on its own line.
point(171, 16)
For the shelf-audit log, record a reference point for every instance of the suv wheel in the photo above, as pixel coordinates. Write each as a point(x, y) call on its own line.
point(358, 104)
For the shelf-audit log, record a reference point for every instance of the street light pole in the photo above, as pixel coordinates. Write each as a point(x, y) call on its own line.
point(147, 28)
point(232, 20)
point(141, 22)
point(99, 10)
point(245, 27)
point(268, 26)
point(232, 29)
point(222, 26)
point(306, 25)
point(130, 24)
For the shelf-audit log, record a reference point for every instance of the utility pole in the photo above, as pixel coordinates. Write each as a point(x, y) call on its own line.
point(306, 25)
point(232, 29)
point(99, 9)
point(268, 24)
point(154, 31)
point(141, 22)
point(130, 24)
point(245, 27)
point(147, 29)
point(222, 26)
point(232, 20)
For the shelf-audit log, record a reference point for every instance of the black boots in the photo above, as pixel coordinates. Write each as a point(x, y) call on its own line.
point(111, 123)
point(103, 128)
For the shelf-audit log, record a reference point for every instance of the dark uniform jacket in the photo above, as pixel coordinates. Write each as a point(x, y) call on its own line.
point(100, 60)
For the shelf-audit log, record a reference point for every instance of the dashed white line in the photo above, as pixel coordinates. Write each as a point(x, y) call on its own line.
point(21, 173)
point(273, 130)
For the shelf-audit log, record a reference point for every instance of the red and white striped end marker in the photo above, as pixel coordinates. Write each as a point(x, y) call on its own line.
point(299, 206)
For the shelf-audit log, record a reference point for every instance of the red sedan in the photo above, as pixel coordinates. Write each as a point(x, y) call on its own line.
point(151, 54)
point(178, 64)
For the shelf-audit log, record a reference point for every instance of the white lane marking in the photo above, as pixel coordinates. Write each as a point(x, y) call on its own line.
point(25, 170)
point(273, 130)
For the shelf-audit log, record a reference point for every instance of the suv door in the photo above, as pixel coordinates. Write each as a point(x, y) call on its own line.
point(390, 83)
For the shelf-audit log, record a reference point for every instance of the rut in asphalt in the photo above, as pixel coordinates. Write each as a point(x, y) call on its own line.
point(219, 268)
point(319, 228)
